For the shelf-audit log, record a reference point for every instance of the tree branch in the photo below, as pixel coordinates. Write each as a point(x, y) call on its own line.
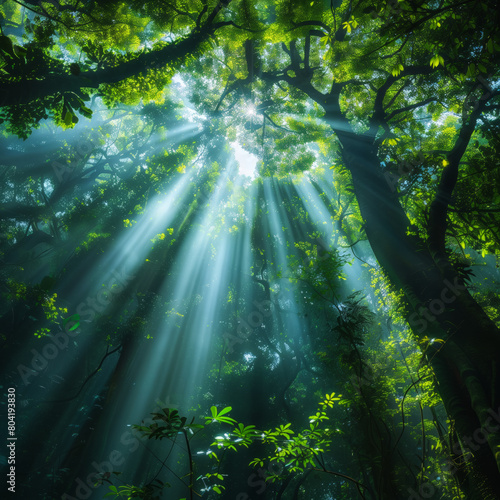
point(108, 353)
point(379, 116)
point(439, 207)
point(311, 23)
point(410, 107)
point(11, 93)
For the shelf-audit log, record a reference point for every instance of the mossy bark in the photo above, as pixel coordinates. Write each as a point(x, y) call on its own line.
point(438, 307)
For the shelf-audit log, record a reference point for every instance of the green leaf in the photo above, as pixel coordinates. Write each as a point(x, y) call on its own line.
point(225, 410)
point(68, 118)
point(76, 319)
point(434, 61)
point(6, 45)
point(87, 112)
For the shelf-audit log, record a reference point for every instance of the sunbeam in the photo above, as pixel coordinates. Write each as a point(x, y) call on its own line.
point(249, 250)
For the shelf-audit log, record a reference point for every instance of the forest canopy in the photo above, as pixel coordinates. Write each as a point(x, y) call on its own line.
point(250, 249)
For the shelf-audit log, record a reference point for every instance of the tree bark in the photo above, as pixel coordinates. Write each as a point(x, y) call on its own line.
point(439, 306)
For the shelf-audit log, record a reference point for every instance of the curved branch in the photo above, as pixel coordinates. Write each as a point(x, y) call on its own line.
point(379, 117)
point(232, 23)
point(439, 207)
point(410, 107)
point(217, 9)
point(190, 458)
point(311, 23)
point(108, 353)
point(349, 478)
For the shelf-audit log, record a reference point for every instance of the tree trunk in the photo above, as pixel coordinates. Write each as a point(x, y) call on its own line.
point(464, 356)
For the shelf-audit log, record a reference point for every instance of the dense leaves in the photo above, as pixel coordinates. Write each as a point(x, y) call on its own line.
point(361, 259)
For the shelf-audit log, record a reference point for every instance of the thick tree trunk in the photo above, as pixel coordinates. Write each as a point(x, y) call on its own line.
point(465, 358)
